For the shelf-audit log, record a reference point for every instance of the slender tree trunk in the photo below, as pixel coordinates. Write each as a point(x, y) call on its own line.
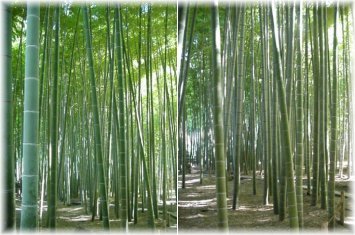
point(253, 153)
point(307, 111)
point(291, 194)
point(265, 115)
point(239, 110)
point(29, 220)
point(163, 125)
point(95, 110)
point(52, 202)
point(315, 65)
point(218, 122)
point(121, 124)
point(276, 148)
point(6, 145)
point(299, 115)
point(333, 137)
point(321, 109)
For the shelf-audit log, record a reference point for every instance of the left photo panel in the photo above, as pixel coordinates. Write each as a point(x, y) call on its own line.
point(88, 115)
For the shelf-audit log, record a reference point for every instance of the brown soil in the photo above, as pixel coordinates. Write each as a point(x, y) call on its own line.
point(74, 219)
point(197, 208)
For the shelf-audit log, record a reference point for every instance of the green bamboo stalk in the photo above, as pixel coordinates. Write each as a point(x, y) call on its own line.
point(306, 106)
point(291, 195)
point(239, 108)
point(275, 146)
point(66, 106)
point(185, 64)
point(164, 157)
point(115, 157)
point(145, 172)
point(44, 59)
point(150, 111)
point(129, 116)
point(218, 122)
point(101, 175)
point(322, 107)
point(315, 66)
point(253, 152)
point(6, 107)
point(121, 124)
point(52, 202)
point(265, 100)
point(29, 220)
point(299, 124)
point(137, 111)
point(333, 137)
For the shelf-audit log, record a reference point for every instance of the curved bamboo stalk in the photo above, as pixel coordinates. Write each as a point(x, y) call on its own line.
point(291, 195)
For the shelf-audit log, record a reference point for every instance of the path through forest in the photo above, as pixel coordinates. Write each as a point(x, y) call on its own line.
point(197, 208)
point(74, 219)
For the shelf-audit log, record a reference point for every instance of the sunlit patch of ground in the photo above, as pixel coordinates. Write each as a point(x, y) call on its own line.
point(73, 218)
point(197, 208)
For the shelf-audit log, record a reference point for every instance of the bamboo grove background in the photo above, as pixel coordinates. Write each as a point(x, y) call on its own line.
point(90, 100)
point(94, 119)
point(267, 88)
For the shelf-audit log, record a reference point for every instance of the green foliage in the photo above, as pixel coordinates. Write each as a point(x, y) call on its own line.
point(302, 122)
point(77, 123)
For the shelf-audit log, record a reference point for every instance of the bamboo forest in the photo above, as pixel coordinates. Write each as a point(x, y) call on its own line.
point(177, 116)
point(264, 116)
point(90, 115)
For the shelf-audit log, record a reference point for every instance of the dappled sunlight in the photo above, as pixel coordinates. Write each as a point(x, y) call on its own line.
point(244, 208)
point(350, 220)
point(168, 202)
point(198, 194)
point(196, 203)
point(265, 208)
point(195, 216)
point(207, 187)
point(80, 218)
point(66, 209)
point(186, 187)
point(344, 179)
point(264, 220)
point(253, 208)
point(192, 181)
point(234, 156)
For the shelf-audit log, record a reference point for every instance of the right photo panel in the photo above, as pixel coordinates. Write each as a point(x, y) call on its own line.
point(264, 116)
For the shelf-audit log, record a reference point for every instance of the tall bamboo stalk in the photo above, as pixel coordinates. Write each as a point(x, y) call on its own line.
point(218, 121)
point(29, 208)
point(333, 137)
point(52, 202)
point(291, 195)
point(6, 107)
point(95, 110)
point(121, 124)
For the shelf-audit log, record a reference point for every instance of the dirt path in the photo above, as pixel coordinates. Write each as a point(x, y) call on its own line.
point(197, 208)
point(74, 219)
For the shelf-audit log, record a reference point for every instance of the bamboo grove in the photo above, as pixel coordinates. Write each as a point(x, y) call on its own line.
point(92, 113)
point(264, 89)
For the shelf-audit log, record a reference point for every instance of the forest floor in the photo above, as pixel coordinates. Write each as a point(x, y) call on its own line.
point(74, 219)
point(197, 208)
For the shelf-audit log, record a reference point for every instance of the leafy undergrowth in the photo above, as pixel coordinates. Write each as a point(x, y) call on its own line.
point(74, 219)
point(197, 208)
